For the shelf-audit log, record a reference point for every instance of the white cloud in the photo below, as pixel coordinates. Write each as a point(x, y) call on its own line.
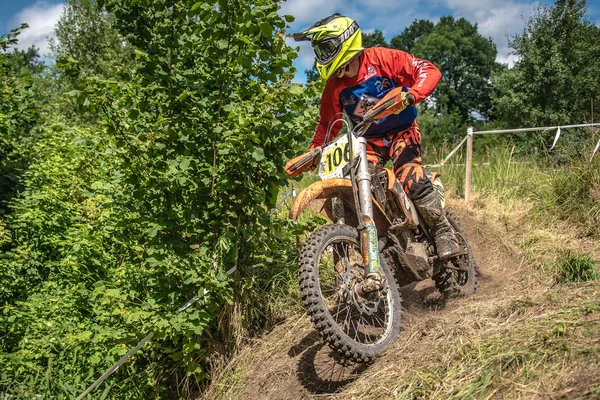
point(41, 18)
point(309, 12)
point(497, 19)
point(508, 59)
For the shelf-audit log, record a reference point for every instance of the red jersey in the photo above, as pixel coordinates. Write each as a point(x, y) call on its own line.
point(381, 69)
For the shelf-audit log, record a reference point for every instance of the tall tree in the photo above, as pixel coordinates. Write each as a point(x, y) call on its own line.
point(411, 34)
point(557, 75)
point(464, 57)
point(373, 39)
point(19, 112)
point(152, 204)
point(87, 43)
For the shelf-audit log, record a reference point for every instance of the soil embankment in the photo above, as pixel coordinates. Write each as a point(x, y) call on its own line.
point(505, 341)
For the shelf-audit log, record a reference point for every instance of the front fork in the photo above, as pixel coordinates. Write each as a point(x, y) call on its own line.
point(368, 231)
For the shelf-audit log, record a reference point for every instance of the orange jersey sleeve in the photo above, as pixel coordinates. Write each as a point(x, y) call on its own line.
point(421, 76)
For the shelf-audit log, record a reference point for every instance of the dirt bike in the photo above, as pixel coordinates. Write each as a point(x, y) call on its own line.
point(350, 270)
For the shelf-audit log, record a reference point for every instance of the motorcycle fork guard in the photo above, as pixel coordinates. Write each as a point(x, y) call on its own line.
point(369, 247)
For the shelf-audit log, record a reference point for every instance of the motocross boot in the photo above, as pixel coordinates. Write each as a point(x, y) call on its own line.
point(434, 215)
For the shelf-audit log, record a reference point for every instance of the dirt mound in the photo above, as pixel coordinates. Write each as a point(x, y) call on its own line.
point(438, 340)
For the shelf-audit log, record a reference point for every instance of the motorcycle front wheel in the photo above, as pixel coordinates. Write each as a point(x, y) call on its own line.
point(358, 326)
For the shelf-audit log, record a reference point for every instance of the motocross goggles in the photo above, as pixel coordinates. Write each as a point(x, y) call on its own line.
point(326, 49)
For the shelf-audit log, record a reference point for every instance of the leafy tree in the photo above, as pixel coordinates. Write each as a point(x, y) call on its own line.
point(464, 57)
point(557, 74)
point(410, 35)
point(438, 129)
point(25, 61)
point(19, 112)
point(374, 39)
point(87, 43)
point(120, 223)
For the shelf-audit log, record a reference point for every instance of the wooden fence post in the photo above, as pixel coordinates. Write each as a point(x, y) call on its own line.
point(469, 164)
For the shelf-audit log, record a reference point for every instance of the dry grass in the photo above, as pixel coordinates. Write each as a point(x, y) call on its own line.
point(523, 335)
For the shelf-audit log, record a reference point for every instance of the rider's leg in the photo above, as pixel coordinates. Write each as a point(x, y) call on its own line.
point(406, 155)
point(377, 151)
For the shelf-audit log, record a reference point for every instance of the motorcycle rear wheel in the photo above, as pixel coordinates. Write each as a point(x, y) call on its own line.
point(461, 281)
point(358, 327)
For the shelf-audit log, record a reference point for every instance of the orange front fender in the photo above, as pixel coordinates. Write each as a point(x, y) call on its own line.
point(341, 189)
point(326, 189)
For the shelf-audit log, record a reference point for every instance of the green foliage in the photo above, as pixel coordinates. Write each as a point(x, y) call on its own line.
point(373, 39)
point(557, 77)
point(577, 268)
point(87, 43)
point(440, 129)
point(24, 62)
point(78, 287)
point(570, 193)
point(118, 224)
point(573, 194)
point(19, 112)
point(498, 174)
point(464, 57)
point(411, 35)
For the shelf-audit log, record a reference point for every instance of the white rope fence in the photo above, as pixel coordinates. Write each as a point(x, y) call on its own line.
point(547, 128)
point(449, 156)
point(469, 139)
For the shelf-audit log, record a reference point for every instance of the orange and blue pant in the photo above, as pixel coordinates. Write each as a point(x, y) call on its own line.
point(404, 149)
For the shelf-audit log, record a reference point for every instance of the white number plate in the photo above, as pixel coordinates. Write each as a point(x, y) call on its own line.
point(335, 156)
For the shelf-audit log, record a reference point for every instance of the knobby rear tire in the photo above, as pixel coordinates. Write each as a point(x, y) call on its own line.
point(453, 283)
point(315, 304)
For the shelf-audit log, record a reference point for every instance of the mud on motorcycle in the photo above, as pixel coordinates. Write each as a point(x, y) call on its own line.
point(350, 270)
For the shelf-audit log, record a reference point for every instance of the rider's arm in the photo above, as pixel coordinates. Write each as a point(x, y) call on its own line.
point(330, 106)
point(421, 76)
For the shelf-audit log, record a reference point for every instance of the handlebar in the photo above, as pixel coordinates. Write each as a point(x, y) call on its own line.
point(370, 115)
point(373, 112)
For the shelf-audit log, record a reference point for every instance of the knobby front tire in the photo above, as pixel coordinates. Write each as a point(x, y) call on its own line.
point(358, 328)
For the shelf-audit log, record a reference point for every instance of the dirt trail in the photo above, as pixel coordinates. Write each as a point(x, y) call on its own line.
point(291, 362)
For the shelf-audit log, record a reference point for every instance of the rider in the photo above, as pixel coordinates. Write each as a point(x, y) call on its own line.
point(356, 79)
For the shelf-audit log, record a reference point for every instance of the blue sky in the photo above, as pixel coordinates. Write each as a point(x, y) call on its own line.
point(496, 18)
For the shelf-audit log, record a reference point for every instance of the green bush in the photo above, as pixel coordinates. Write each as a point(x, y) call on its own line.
point(573, 194)
point(19, 113)
point(120, 224)
point(577, 268)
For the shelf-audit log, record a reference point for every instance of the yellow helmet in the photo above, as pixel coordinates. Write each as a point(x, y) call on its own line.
point(336, 40)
